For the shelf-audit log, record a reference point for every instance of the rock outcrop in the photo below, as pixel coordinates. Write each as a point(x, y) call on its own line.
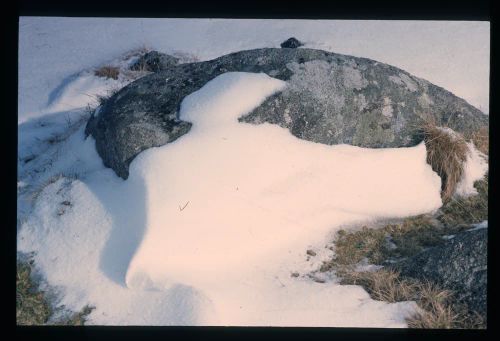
point(330, 98)
point(460, 265)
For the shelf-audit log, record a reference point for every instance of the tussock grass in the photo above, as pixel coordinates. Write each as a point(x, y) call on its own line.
point(413, 234)
point(464, 211)
point(446, 153)
point(481, 140)
point(107, 71)
point(402, 238)
point(437, 309)
point(382, 285)
point(32, 304)
point(405, 238)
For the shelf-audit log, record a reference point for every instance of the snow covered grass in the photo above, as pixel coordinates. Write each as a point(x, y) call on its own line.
point(437, 306)
point(437, 309)
point(361, 253)
point(465, 210)
point(33, 306)
point(379, 243)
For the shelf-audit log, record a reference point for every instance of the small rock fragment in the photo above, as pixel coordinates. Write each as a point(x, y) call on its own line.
point(291, 43)
point(311, 253)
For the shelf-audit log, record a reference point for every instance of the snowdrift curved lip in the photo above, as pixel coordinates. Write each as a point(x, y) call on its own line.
point(369, 104)
point(255, 186)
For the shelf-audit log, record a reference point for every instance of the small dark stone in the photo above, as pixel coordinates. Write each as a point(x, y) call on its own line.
point(295, 274)
point(291, 43)
point(311, 253)
point(318, 280)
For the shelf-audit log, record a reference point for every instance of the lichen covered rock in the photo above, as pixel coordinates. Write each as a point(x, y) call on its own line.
point(330, 98)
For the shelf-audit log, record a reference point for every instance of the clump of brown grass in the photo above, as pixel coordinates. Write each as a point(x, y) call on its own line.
point(410, 235)
point(437, 310)
point(440, 312)
point(353, 247)
point(382, 285)
point(107, 71)
point(463, 211)
point(446, 153)
point(481, 139)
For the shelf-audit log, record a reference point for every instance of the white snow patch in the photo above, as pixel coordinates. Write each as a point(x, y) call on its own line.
point(387, 108)
point(481, 225)
point(80, 91)
point(476, 166)
point(207, 230)
point(365, 265)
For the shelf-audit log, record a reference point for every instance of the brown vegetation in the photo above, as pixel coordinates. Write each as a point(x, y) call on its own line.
point(107, 72)
point(446, 153)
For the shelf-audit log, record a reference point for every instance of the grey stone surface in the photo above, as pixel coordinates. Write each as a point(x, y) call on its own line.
point(155, 61)
point(330, 98)
point(460, 264)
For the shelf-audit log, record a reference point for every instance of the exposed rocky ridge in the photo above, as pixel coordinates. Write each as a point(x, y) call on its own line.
point(459, 264)
point(330, 98)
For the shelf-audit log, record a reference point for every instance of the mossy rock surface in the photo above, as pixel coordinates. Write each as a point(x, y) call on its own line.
point(330, 98)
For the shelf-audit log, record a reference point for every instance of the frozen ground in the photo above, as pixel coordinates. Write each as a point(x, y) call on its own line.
point(207, 230)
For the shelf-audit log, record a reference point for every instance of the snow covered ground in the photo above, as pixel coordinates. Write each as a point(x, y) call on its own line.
point(454, 55)
point(208, 230)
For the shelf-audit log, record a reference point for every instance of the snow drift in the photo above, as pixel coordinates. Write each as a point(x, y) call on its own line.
point(208, 229)
point(241, 193)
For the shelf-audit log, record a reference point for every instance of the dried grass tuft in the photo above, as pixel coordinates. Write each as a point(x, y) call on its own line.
point(107, 72)
point(446, 153)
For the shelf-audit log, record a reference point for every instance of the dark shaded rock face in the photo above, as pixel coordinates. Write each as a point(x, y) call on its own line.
point(330, 98)
point(291, 43)
point(154, 61)
point(460, 264)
